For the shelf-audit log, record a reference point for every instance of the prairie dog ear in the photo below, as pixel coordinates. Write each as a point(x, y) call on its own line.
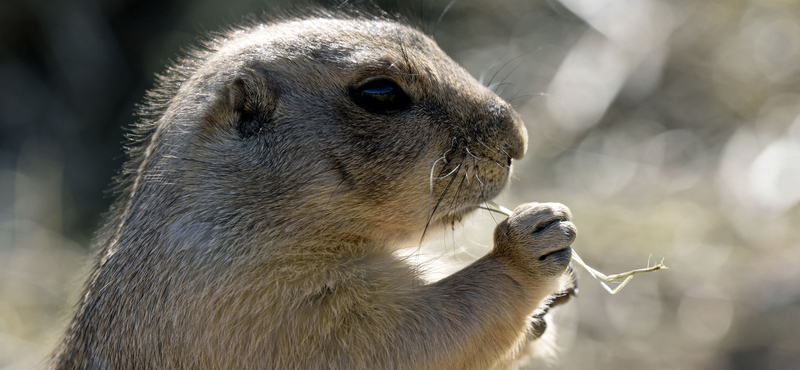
point(253, 101)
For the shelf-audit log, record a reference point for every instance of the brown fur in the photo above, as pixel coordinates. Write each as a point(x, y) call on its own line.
point(259, 226)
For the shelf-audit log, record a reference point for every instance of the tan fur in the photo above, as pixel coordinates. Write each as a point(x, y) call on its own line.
point(275, 250)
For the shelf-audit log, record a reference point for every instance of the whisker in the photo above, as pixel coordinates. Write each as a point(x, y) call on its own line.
point(436, 27)
point(433, 168)
point(515, 97)
point(453, 209)
point(438, 202)
point(501, 149)
point(490, 66)
point(483, 186)
point(491, 214)
point(468, 152)
point(512, 71)
point(503, 167)
point(458, 191)
point(448, 174)
point(507, 62)
point(336, 188)
point(430, 203)
point(483, 196)
point(496, 150)
point(443, 157)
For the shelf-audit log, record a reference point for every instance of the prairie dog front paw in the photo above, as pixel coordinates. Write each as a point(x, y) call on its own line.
point(536, 238)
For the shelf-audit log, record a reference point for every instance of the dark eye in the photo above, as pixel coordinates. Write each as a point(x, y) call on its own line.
point(380, 96)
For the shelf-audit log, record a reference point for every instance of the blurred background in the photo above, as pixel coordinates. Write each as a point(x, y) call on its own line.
point(671, 128)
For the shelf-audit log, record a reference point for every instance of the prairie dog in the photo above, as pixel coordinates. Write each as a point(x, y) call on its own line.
point(279, 169)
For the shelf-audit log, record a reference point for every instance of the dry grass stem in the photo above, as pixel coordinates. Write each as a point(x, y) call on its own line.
point(599, 276)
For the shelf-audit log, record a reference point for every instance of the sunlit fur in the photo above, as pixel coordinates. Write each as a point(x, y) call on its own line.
point(274, 249)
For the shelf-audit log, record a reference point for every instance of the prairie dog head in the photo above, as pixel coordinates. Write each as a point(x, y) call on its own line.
point(361, 128)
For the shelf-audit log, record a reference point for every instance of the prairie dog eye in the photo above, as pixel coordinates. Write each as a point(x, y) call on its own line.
point(381, 95)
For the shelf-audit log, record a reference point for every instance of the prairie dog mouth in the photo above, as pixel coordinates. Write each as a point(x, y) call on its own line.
point(564, 252)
